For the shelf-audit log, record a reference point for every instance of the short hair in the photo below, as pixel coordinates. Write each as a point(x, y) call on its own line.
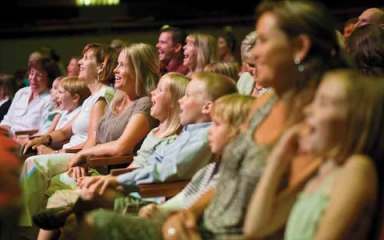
point(8, 84)
point(229, 69)
point(74, 85)
point(144, 64)
point(366, 48)
point(46, 65)
point(232, 109)
point(247, 45)
point(178, 34)
point(216, 85)
point(177, 83)
point(104, 55)
point(206, 49)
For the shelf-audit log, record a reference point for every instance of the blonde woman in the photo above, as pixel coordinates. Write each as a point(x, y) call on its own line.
point(199, 50)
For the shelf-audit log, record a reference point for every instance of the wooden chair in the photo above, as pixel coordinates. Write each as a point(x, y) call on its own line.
point(147, 190)
point(23, 136)
point(95, 162)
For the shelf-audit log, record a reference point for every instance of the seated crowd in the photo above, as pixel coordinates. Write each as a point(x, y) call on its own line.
point(180, 141)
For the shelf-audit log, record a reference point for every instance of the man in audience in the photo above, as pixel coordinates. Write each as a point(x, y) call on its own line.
point(371, 16)
point(170, 48)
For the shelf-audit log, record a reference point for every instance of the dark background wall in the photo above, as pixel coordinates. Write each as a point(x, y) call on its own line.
point(26, 25)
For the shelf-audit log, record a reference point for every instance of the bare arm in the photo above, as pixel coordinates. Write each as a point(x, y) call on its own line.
point(97, 113)
point(136, 129)
point(354, 189)
point(268, 209)
point(54, 123)
point(134, 132)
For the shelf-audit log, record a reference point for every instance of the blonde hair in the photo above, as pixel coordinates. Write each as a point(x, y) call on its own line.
point(229, 69)
point(206, 48)
point(144, 64)
point(177, 83)
point(216, 85)
point(364, 115)
point(74, 86)
point(233, 110)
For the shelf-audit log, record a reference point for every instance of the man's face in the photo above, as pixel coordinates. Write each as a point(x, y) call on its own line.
point(166, 47)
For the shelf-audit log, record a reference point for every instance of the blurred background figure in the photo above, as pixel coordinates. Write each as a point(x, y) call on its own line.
point(371, 16)
point(118, 44)
point(7, 90)
point(349, 25)
point(73, 67)
point(226, 45)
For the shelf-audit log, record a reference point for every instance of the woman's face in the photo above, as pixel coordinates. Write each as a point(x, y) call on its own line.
point(38, 80)
point(222, 47)
point(124, 77)
point(88, 66)
point(161, 100)
point(190, 53)
point(273, 53)
point(325, 118)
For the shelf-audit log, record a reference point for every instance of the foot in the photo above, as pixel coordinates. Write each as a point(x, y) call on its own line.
point(52, 218)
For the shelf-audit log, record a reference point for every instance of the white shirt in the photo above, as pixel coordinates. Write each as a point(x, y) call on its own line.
point(66, 117)
point(24, 115)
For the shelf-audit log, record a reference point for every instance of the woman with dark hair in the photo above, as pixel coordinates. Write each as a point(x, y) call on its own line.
point(296, 44)
point(226, 46)
point(31, 104)
point(365, 47)
point(7, 90)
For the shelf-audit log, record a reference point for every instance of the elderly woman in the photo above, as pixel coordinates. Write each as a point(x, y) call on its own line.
point(31, 104)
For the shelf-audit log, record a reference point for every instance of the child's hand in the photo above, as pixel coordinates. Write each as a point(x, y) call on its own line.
point(77, 172)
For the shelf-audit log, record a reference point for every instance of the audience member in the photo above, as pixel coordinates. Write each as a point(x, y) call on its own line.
point(170, 48)
point(229, 69)
point(7, 90)
point(73, 67)
point(226, 45)
point(370, 16)
point(199, 51)
point(349, 26)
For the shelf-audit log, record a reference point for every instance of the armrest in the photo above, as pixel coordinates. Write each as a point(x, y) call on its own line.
point(72, 150)
point(167, 189)
point(118, 171)
point(26, 132)
point(109, 160)
point(4, 131)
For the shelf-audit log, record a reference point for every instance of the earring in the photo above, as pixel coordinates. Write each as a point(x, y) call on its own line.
point(300, 66)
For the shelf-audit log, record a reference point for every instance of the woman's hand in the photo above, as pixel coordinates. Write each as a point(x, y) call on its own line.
point(77, 160)
point(181, 225)
point(98, 183)
point(44, 139)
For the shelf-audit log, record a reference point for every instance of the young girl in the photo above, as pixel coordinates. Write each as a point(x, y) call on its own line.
point(228, 113)
point(343, 127)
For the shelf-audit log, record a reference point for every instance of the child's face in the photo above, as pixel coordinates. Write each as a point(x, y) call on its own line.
point(192, 103)
point(219, 135)
point(161, 100)
point(54, 92)
point(67, 101)
point(325, 118)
